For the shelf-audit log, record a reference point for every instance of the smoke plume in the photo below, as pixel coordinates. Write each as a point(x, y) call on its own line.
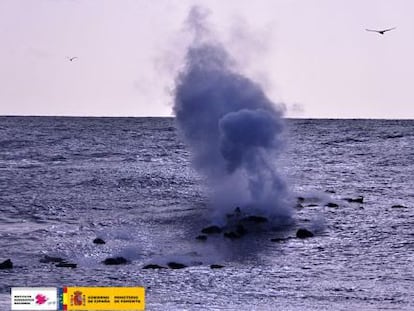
point(230, 126)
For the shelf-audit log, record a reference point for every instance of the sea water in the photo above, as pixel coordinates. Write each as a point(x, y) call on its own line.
point(129, 181)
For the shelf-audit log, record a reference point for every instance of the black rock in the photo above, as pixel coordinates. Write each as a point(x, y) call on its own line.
point(98, 241)
point(215, 266)
point(256, 219)
point(304, 233)
point(176, 265)
point(399, 206)
point(7, 264)
point(359, 199)
point(201, 237)
point(301, 199)
point(66, 265)
point(115, 261)
point(211, 229)
point(49, 259)
point(330, 204)
point(298, 206)
point(153, 266)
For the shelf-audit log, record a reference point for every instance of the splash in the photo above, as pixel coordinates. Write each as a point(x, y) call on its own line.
point(230, 126)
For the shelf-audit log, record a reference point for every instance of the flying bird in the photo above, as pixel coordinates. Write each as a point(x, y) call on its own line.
point(72, 58)
point(381, 32)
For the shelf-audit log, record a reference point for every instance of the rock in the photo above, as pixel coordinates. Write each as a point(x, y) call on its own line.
point(153, 266)
point(211, 230)
point(312, 205)
point(399, 206)
point(49, 259)
point(115, 261)
point(301, 199)
point(304, 233)
point(7, 264)
point(330, 204)
point(215, 266)
point(66, 265)
point(176, 265)
point(98, 241)
point(359, 199)
point(201, 237)
point(255, 219)
point(330, 191)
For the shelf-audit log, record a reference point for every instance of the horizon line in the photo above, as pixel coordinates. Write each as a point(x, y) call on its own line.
point(172, 117)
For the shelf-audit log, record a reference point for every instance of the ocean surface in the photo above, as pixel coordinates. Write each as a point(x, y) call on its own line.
point(129, 181)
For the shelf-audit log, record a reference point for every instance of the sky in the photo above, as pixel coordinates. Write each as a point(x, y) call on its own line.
point(314, 57)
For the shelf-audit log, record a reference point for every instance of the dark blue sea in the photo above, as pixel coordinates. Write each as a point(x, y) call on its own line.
point(129, 181)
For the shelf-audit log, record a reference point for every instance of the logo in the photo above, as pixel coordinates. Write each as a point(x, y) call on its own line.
point(41, 299)
point(103, 298)
point(34, 298)
point(77, 298)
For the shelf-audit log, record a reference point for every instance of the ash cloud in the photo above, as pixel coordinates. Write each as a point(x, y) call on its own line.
point(231, 127)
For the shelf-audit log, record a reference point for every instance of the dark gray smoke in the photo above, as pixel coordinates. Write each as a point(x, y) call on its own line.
point(231, 127)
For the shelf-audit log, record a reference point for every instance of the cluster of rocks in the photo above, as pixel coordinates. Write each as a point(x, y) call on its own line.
point(311, 201)
point(176, 265)
point(64, 263)
point(238, 225)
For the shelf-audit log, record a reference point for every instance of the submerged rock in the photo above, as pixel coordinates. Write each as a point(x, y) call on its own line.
point(215, 266)
point(66, 265)
point(304, 233)
point(255, 219)
point(115, 261)
point(330, 204)
point(240, 230)
point(211, 230)
point(176, 265)
point(399, 206)
point(7, 264)
point(278, 239)
point(298, 206)
point(231, 235)
point(153, 266)
point(201, 237)
point(49, 259)
point(359, 199)
point(301, 199)
point(99, 241)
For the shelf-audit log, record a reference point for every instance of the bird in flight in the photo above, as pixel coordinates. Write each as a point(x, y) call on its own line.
point(71, 59)
point(381, 32)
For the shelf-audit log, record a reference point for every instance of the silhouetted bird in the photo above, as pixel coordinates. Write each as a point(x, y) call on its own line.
point(381, 32)
point(72, 58)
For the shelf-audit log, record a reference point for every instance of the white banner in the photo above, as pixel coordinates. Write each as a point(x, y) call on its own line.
point(34, 298)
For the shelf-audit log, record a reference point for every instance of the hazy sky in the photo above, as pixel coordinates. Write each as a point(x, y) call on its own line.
point(313, 55)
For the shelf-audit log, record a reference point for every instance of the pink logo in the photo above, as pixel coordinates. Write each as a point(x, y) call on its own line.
point(40, 299)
